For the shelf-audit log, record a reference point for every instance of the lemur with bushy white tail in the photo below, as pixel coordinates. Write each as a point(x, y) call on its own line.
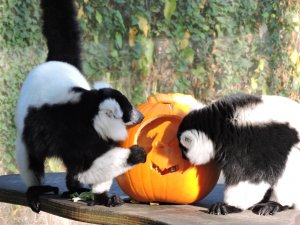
point(59, 115)
point(255, 140)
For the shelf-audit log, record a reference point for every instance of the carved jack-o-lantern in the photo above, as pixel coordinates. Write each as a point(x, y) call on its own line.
point(166, 176)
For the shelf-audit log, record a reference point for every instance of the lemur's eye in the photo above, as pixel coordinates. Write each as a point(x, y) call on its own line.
point(187, 140)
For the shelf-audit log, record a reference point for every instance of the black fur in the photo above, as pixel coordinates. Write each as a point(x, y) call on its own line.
point(66, 131)
point(33, 195)
point(62, 32)
point(243, 153)
point(94, 96)
point(106, 200)
point(268, 208)
point(221, 208)
point(252, 153)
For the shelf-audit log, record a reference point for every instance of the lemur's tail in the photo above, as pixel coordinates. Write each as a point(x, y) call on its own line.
point(61, 30)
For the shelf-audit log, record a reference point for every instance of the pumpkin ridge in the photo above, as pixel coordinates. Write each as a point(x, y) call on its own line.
point(143, 184)
point(131, 185)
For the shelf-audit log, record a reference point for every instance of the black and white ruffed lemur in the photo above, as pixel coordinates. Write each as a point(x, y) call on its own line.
point(59, 115)
point(255, 141)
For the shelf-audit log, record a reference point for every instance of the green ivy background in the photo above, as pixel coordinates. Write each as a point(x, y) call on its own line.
point(207, 48)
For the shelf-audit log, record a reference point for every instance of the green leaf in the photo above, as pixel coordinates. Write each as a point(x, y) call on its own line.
point(170, 7)
point(98, 17)
point(120, 1)
point(114, 53)
point(188, 55)
point(86, 196)
point(74, 195)
point(119, 21)
point(118, 40)
point(183, 69)
point(254, 84)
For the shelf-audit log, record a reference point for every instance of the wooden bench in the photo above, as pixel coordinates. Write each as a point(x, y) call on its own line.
point(12, 191)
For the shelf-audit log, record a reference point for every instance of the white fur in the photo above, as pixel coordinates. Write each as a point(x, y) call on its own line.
point(108, 122)
point(111, 164)
point(50, 83)
point(281, 110)
point(196, 105)
point(101, 84)
point(272, 109)
point(245, 194)
point(27, 175)
point(286, 190)
point(102, 187)
point(200, 147)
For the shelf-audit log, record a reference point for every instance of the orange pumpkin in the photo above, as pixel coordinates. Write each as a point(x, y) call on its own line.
point(166, 176)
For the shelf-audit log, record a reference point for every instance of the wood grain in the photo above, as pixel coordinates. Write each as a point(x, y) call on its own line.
point(12, 191)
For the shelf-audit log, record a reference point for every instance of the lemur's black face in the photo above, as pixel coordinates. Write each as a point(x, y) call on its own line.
point(194, 143)
point(130, 115)
point(184, 151)
point(184, 125)
point(114, 113)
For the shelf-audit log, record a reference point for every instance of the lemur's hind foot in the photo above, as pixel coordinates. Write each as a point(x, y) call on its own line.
point(268, 208)
point(33, 194)
point(221, 208)
point(106, 200)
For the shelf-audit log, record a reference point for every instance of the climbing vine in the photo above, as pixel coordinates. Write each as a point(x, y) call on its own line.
point(205, 48)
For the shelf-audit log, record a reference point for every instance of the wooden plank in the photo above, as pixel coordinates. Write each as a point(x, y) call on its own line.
point(12, 191)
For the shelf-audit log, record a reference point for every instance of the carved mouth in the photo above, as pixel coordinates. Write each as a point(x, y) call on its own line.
point(171, 169)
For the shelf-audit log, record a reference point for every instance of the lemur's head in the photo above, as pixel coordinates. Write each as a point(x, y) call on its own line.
point(115, 112)
point(194, 143)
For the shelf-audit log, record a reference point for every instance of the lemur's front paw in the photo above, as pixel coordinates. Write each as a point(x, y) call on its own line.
point(221, 208)
point(106, 200)
point(114, 201)
point(33, 194)
point(268, 208)
point(137, 155)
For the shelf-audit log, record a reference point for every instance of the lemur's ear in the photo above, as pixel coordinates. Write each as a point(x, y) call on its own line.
point(101, 84)
point(197, 105)
point(111, 108)
point(187, 139)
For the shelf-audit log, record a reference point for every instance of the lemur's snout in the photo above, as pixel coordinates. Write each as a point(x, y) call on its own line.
point(136, 117)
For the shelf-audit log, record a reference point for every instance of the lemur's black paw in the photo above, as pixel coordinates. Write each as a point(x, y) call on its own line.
point(268, 208)
point(108, 201)
point(137, 155)
point(114, 201)
point(34, 204)
point(221, 208)
point(33, 195)
point(67, 194)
